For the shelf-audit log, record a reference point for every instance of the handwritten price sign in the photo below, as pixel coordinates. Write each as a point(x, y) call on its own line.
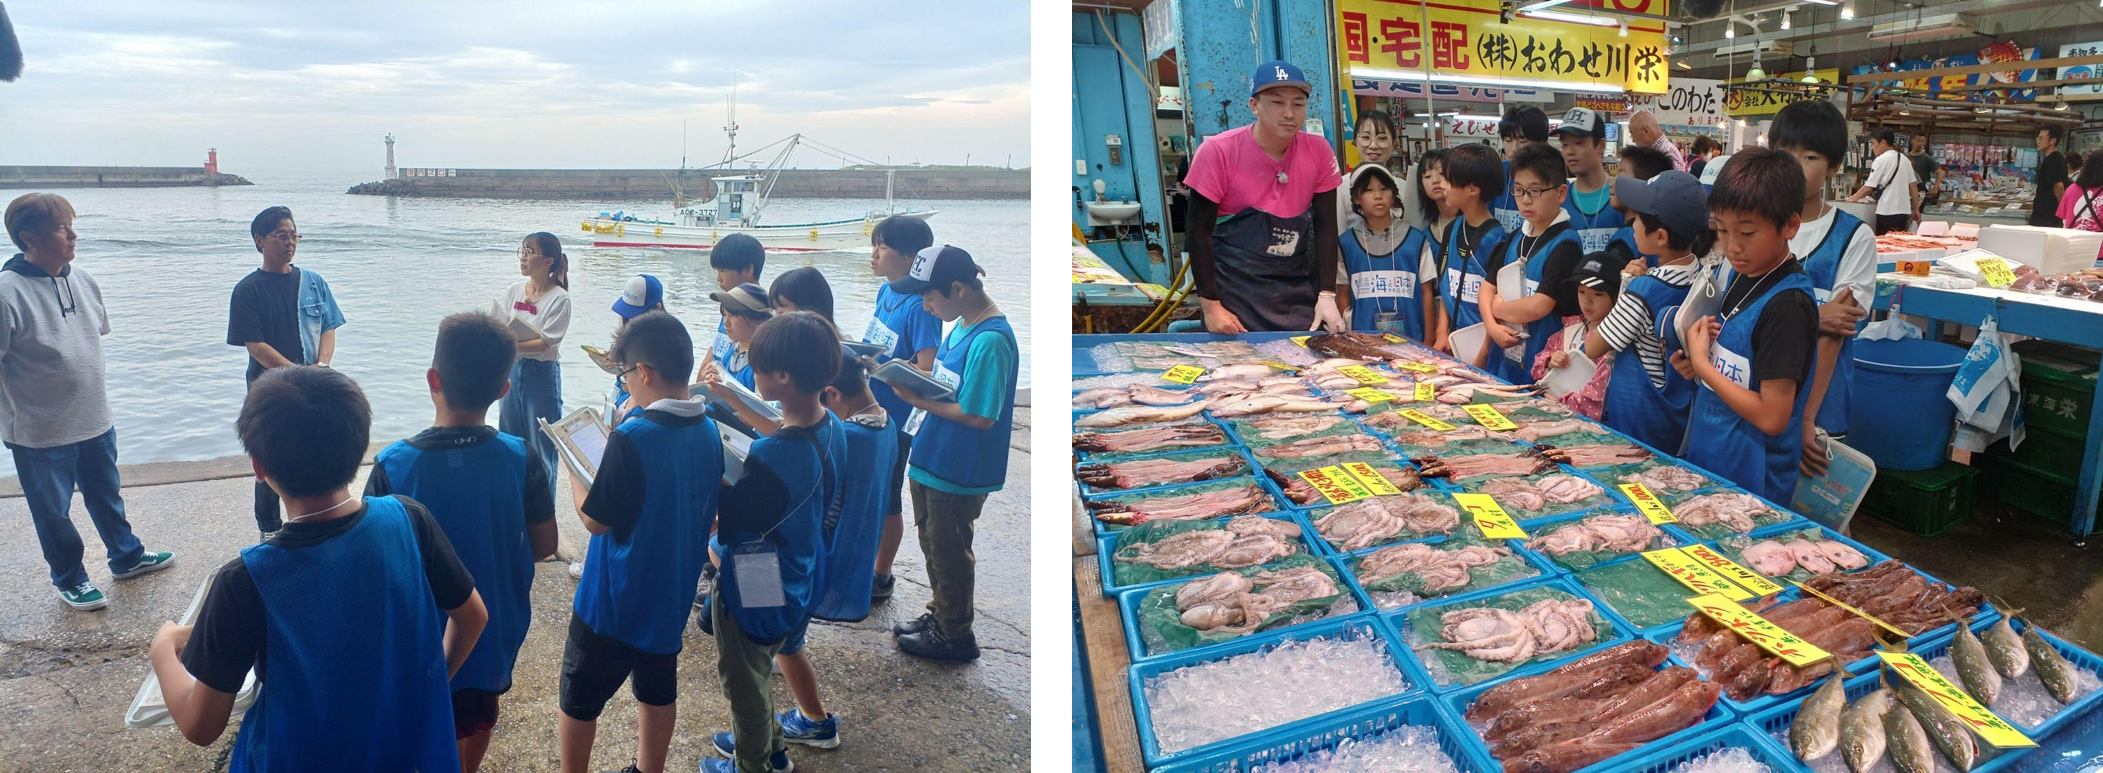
point(1426, 392)
point(1183, 374)
point(1364, 374)
point(1336, 485)
point(1745, 578)
point(1489, 418)
point(1371, 479)
point(1425, 419)
point(1996, 272)
point(1370, 394)
point(1417, 367)
point(1772, 638)
point(1648, 503)
point(1992, 728)
point(1489, 517)
point(1694, 575)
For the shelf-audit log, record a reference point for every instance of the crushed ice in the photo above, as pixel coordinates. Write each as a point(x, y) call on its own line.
point(1732, 760)
point(2023, 700)
point(1199, 704)
point(1406, 749)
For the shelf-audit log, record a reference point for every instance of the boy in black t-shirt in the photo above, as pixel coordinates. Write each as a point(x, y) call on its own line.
point(283, 315)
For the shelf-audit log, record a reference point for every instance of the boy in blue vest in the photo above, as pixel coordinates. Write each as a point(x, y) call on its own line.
point(738, 260)
point(1642, 164)
point(1386, 261)
point(1754, 359)
point(1548, 248)
point(490, 494)
point(1839, 252)
point(648, 511)
point(1473, 176)
point(771, 536)
point(1645, 397)
point(960, 449)
point(913, 335)
point(333, 612)
point(1521, 125)
point(1591, 191)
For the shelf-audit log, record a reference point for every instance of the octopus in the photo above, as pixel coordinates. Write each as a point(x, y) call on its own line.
point(1777, 558)
point(1618, 533)
point(1506, 636)
point(1533, 495)
point(1732, 510)
point(1231, 603)
point(1369, 521)
point(1547, 428)
point(1667, 478)
point(1321, 446)
point(1244, 541)
point(1439, 569)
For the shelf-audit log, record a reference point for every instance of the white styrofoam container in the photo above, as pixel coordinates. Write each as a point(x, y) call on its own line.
point(2049, 250)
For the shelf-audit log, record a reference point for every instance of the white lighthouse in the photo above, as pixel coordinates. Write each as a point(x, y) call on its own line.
point(390, 157)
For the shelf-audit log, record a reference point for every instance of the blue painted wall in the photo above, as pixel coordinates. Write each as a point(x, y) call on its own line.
point(1109, 97)
point(1217, 54)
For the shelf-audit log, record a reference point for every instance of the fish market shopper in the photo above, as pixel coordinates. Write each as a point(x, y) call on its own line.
point(1520, 126)
point(542, 303)
point(1271, 263)
point(54, 404)
point(283, 315)
point(1598, 281)
point(1474, 240)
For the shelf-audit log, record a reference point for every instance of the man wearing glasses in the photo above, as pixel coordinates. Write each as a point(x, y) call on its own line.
point(284, 315)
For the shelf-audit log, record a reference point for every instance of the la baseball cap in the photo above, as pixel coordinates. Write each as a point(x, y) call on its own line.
point(1582, 122)
point(1270, 75)
point(1599, 271)
point(642, 292)
point(935, 267)
point(1674, 197)
point(746, 298)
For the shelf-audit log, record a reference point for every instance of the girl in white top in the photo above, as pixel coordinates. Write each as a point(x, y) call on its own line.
point(542, 304)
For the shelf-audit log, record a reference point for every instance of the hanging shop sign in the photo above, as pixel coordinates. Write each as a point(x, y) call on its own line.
point(1615, 104)
point(1993, 54)
point(1768, 101)
point(1471, 127)
point(1465, 41)
point(1157, 28)
point(2080, 71)
point(1445, 92)
point(1696, 102)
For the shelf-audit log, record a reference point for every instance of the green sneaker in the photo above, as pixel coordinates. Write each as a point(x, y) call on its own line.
point(151, 562)
point(84, 597)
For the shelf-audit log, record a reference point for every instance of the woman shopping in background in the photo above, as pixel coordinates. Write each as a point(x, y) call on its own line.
point(542, 301)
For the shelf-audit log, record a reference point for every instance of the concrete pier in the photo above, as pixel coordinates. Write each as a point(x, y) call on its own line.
point(41, 177)
point(975, 182)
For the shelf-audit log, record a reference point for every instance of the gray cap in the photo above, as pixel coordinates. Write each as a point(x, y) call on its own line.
point(1674, 197)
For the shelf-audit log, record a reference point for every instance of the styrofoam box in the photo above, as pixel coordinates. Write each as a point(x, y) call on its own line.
point(2049, 250)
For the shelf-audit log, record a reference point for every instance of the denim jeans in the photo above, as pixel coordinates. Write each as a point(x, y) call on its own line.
point(536, 393)
point(48, 477)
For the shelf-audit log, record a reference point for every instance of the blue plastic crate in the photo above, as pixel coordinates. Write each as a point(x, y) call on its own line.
point(1865, 664)
point(2081, 659)
point(1541, 564)
point(1457, 704)
point(1315, 511)
point(1674, 624)
point(1361, 726)
point(1128, 608)
point(1618, 633)
point(1226, 434)
point(1353, 627)
point(1254, 477)
point(1793, 518)
point(1106, 546)
point(1250, 468)
point(1766, 725)
point(1536, 527)
point(1735, 736)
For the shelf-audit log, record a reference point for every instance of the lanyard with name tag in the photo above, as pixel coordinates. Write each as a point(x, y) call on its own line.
point(949, 379)
point(880, 334)
point(758, 571)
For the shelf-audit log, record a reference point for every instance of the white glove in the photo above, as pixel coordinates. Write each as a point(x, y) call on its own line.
point(1327, 315)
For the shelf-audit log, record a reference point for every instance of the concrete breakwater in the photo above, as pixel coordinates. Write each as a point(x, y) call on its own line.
point(847, 183)
point(114, 177)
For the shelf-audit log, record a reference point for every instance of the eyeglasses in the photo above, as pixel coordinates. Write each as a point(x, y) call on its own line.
point(1532, 193)
point(288, 236)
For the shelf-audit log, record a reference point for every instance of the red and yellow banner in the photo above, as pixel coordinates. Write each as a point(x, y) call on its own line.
point(1774, 97)
point(1466, 39)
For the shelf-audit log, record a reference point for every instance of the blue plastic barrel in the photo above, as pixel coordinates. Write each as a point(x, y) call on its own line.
point(1902, 415)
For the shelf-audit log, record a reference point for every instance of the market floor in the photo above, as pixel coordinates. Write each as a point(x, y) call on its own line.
point(2013, 556)
point(67, 677)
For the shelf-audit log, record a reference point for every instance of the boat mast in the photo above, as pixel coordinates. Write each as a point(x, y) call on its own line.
point(890, 176)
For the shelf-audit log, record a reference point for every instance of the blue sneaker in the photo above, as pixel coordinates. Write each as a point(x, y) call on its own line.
point(797, 728)
point(726, 745)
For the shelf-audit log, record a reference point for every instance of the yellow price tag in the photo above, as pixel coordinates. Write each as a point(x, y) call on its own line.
point(1694, 575)
point(1772, 638)
point(1370, 394)
point(1489, 517)
point(1991, 728)
point(1425, 419)
point(1489, 418)
point(1743, 577)
point(1392, 338)
point(1996, 272)
point(1364, 374)
point(1183, 374)
point(1426, 392)
point(1335, 485)
point(1647, 502)
point(1418, 367)
point(1301, 340)
point(1371, 479)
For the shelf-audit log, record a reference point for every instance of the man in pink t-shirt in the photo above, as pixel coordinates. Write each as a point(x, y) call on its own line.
point(1271, 264)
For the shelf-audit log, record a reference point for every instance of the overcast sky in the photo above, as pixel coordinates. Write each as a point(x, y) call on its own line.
point(313, 86)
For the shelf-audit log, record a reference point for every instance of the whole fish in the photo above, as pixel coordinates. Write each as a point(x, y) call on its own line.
point(1101, 397)
point(2052, 669)
point(1563, 681)
point(1147, 395)
point(1944, 728)
point(1974, 669)
point(1678, 711)
point(1248, 371)
point(1134, 414)
point(1862, 731)
point(1565, 757)
point(1816, 731)
point(2006, 650)
point(1910, 752)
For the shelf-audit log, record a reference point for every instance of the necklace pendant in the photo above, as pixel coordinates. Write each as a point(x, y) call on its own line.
point(1281, 178)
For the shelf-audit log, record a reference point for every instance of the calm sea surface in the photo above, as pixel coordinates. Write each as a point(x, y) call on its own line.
point(168, 259)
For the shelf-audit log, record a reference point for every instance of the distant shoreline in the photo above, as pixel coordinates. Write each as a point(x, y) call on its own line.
point(41, 177)
point(966, 183)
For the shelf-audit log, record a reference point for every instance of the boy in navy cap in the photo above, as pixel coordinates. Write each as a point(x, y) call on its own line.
point(642, 293)
point(1646, 398)
point(960, 449)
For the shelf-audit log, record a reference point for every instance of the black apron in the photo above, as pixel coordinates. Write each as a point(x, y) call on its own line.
point(1266, 274)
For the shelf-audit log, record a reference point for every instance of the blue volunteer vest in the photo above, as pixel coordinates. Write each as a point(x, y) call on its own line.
point(357, 661)
point(1823, 267)
point(894, 311)
point(1464, 273)
point(739, 366)
point(720, 347)
point(1636, 406)
point(1597, 228)
point(851, 540)
point(1506, 206)
point(798, 537)
point(639, 591)
point(1537, 331)
point(1627, 237)
point(476, 494)
point(966, 457)
point(1385, 284)
point(1720, 440)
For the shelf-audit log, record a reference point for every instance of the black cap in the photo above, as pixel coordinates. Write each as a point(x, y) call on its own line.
point(936, 267)
point(1599, 271)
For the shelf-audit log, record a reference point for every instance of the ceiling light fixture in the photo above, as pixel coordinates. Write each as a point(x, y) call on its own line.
point(1596, 21)
point(1755, 73)
point(1624, 28)
point(1785, 20)
point(1847, 11)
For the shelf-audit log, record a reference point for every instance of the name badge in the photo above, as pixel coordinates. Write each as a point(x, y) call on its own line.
point(1595, 239)
point(1463, 285)
point(1384, 284)
point(758, 572)
point(721, 348)
point(1731, 364)
point(880, 334)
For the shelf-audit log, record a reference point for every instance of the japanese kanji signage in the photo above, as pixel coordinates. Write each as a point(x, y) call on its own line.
point(1381, 39)
point(1990, 727)
point(1445, 92)
point(1771, 100)
point(1336, 485)
point(1694, 575)
point(2080, 71)
point(1690, 102)
point(1992, 54)
point(1773, 638)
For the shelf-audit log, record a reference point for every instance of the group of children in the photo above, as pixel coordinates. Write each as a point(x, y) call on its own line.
point(1549, 263)
point(431, 565)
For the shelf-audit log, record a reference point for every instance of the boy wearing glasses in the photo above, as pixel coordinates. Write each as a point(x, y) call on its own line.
point(1549, 249)
point(283, 315)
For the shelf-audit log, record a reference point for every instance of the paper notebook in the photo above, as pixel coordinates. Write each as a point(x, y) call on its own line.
point(902, 376)
point(150, 709)
point(580, 439)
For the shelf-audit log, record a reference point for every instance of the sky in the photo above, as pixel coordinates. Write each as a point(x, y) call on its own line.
point(313, 85)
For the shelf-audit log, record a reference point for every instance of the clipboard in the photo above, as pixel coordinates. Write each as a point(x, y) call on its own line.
point(1511, 281)
point(600, 358)
point(744, 398)
point(902, 376)
point(150, 709)
point(523, 330)
point(737, 446)
point(862, 349)
point(580, 439)
point(1704, 299)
